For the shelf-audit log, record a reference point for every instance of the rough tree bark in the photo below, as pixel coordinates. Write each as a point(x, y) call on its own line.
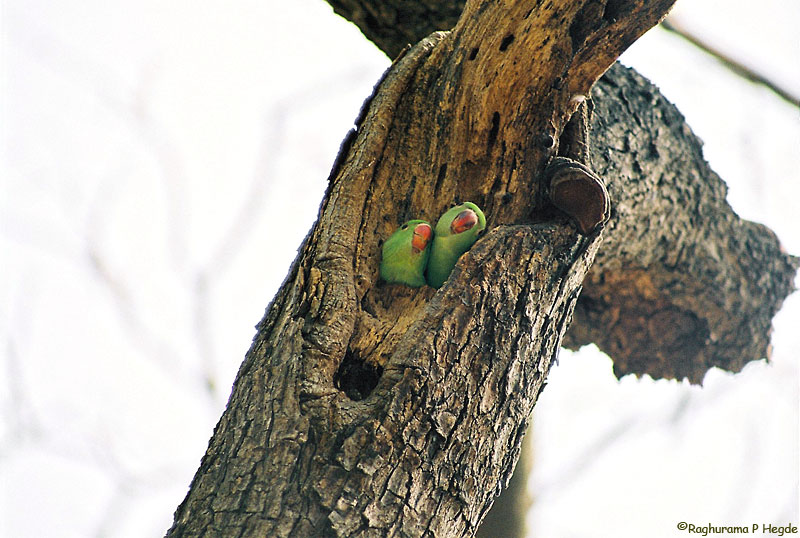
point(366, 409)
point(698, 261)
point(683, 284)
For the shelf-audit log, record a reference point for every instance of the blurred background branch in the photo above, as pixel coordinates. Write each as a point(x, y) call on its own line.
point(673, 24)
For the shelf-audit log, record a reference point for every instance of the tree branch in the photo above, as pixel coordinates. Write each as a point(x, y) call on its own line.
point(395, 24)
point(681, 284)
point(473, 114)
point(730, 62)
point(684, 284)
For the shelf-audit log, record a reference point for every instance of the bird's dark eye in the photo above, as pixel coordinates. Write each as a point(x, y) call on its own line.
point(404, 226)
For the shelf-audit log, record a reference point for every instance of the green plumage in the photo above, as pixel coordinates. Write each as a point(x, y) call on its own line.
point(450, 240)
point(405, 254)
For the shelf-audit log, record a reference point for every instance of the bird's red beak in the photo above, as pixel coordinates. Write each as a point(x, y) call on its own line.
point(464, 221)
point(422, 234)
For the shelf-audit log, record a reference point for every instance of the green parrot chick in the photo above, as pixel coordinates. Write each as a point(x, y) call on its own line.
point(405, 254)
point(456, 231)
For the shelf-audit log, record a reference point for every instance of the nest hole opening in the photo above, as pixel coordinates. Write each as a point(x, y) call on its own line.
point(356, 377)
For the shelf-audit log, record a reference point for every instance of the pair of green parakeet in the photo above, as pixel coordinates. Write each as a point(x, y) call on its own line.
point(416, 254)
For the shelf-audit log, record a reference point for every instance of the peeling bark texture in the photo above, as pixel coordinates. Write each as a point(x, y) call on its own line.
point(370, 409)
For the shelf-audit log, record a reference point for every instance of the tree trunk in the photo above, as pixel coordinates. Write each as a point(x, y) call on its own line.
point(651, 312)
point(368, 409)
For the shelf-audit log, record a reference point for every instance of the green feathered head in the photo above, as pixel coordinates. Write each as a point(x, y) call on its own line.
point(456, 231)
point(404, 255)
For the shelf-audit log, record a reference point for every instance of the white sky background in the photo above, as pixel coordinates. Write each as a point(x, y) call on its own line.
point(161, 163)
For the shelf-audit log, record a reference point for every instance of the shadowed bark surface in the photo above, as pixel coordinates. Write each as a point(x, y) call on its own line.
point(394, 24)
point(681, 283)
point(368, 409)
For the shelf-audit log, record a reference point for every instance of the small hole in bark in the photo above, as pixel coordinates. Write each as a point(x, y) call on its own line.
point(355, 377)
point(578, 34)
point(507, 40)
point(547, 141)
point(439, 179)
point(473, 54)
point(613, 10)
point(495, 128)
